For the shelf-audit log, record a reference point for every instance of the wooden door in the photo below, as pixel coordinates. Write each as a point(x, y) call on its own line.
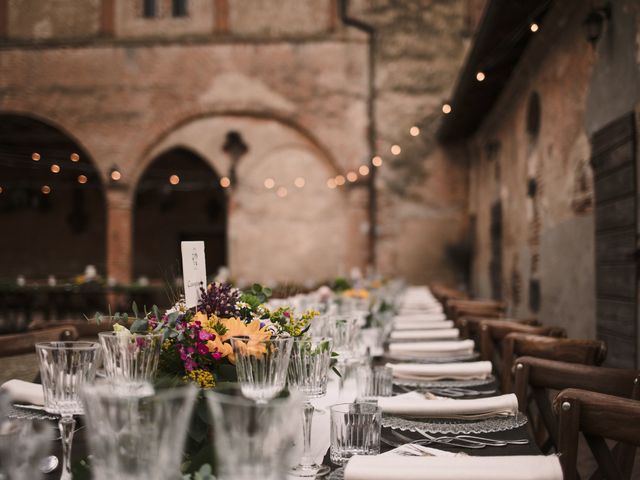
point(614, 165)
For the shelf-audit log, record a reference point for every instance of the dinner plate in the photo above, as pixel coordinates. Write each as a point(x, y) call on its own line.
point(413, 383)
point(28, 413)
point(467, 357)
point(454, 426)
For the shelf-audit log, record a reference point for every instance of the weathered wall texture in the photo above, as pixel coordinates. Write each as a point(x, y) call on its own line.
point(293, 81)
point(543, 182)
point(419, 49)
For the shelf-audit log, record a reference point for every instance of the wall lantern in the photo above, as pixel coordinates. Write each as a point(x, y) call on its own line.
point(594, 24)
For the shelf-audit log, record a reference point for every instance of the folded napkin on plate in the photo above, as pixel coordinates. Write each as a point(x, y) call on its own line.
point(415, 404)
point(441, 371)
point(420, 325)
point(420, 317)
point(435, 349)
point(24, 392)
point(381, 467)
point(444, 334)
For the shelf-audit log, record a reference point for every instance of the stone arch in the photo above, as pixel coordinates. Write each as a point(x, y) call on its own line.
point(299, 237)
point(180, 195)
point(37, 200)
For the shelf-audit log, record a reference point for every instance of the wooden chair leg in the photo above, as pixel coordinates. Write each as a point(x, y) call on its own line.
point(568, 428)
point(522, 385)
point(606, 463)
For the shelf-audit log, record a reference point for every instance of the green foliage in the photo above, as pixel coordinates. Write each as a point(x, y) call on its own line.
point(256, 295)
point(341, 284)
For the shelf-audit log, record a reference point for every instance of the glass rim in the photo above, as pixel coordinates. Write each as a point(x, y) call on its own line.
point(114, 333)
point(111, 390)
point(223, 394)
point(340, 407)
point(68, 345)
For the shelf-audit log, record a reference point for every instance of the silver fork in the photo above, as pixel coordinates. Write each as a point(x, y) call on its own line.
point(451, 441)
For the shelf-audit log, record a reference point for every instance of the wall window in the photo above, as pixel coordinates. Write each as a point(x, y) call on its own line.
point(179, 8)
point(149, 8)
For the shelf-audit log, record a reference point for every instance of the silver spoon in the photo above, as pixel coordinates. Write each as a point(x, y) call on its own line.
point(49, 464)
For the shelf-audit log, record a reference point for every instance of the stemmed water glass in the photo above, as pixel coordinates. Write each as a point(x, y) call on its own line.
point(252, 439)
point(261, 366)
point(65, 367)
point(137, 436)
point(308, 373)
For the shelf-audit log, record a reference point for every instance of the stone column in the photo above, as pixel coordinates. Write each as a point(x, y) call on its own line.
point(119, 234)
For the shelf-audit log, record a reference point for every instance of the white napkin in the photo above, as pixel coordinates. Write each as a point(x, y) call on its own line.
point(443, 334)
point(380, 467)
point(441, 371)
point(24, 392)
point(420, 307)
point(433, 349)
point(420, 325)
point(415, 404)
point(419, 317)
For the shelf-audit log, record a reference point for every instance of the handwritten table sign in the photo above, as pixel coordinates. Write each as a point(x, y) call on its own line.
point(194, 271)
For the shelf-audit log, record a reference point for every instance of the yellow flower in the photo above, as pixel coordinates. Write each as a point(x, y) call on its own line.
point(356, 293)
point(234, 328)
point(202, 377)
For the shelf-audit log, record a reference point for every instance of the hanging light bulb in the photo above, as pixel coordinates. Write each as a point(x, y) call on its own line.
point(82, 179)
point(55, 168)
point(299, 182)
point(414, 131)
point(340, 180)
point(46, 189)
point(269, 183)
point(74, 157)
point(174, 179)
point(446, 108)
point(282, 192)
point(396, 149)
point(331, 183)
point(35, 156)
point(376, 161)
point(363, 170)
point(225, 182)
point(480, 76)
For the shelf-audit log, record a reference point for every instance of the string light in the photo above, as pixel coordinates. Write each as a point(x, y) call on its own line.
point(1, 190)
point(115, 175)
point(269, 183)
point(82, 179)
point(480, 76)
point(46, 189)
point(174, 179)
point(225, 182)
point(340, 180)
point(282, 192)
point(299, 182)
point(352, 176)
point(376, 161)
point(414, 131)
point(35, 156)
point(534, 27)
point(395, 149)
point(55, 168)
point(74, 157)
point(331, 183)
point(446, 109)
point(364, 170)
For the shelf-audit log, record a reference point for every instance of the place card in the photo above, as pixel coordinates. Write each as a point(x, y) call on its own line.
point(194, 271)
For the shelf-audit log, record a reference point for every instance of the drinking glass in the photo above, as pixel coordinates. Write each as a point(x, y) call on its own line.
point(308, 373)
point(65, 367)
point(346, 330)
point(23, 446)
point(130, 358)
point(252, 439)
point(374, 382)
point(355, 430)
point(261, 366)
point(133, 436)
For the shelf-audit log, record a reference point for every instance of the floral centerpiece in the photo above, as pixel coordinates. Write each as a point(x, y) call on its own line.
point(196, 341)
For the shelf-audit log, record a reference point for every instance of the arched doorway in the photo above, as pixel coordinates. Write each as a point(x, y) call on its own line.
point(52, 204)
point(178, 198)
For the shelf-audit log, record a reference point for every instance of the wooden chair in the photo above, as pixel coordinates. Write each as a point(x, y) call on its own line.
point(535, 377)
point(598, 416)
point(443, 294)
point(474, 308)
point(469, 326)
point(586, 352)
point(492, 332)
point(19, 343)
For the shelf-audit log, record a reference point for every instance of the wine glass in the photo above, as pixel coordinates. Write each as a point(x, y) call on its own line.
point(308, 373)
point(130, 359)
point(65, 367)
point(136, 436)
point(262, 365)
point(252, 439)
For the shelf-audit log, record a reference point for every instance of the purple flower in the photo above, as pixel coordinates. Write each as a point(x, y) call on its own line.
point(216, 355)
point(204, 336)
point(202, 349)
